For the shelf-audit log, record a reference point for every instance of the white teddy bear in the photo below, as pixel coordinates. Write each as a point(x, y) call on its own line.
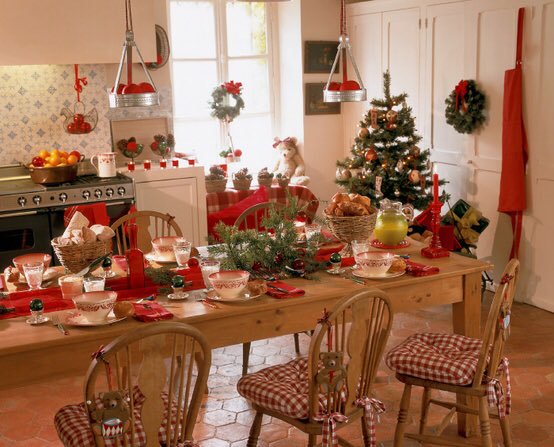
point(290, 163)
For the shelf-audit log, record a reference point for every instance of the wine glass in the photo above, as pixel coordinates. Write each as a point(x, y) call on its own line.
point(33, 272)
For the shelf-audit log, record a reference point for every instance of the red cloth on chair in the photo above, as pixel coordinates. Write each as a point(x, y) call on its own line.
point(96, 213)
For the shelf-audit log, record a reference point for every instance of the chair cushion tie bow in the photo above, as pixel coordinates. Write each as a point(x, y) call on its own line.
point(495, 392)
point(329, 436)
point(372, 407)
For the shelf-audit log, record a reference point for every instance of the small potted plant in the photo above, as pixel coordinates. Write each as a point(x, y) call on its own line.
point(283, 180)
point(215, 180)
point(265, 178)
point(242, 179)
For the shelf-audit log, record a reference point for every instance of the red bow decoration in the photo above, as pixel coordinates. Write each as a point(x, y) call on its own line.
point(99, 355)
point(79, 83)
point(506, 279)
point(277, 141)
point(329, 437)
point(232, 87)
point(371, 407)
point(461, 90)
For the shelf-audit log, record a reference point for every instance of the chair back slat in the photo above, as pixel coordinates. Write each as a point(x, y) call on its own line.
point(256, 213)
point(494, 338)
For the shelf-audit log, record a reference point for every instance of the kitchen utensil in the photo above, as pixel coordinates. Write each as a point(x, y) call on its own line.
point(92, 265)
point(56, 322)
point(162, 49)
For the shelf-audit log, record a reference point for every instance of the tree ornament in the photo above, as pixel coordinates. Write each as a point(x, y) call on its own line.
point(193, 262)
point(414, 176)
point(397, 193)
point(298, 264)
point(335, 257)
point(363, 132)
point(342, 174)
point(371, 154)
point(256, 266)
point(178, 281)
point(400, 166)
point(391, 116)
point(278, 258)
point(465, 107)
point(415, 151)
point(373, 117)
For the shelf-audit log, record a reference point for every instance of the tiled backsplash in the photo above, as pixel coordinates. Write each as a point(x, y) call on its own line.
point(32, 97)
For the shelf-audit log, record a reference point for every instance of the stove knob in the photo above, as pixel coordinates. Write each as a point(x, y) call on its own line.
point(37, 199)
point(121, 191)
point(86, 194)
point(22, 201)
point(63, 197)
point(97, 193)
point(109, 192)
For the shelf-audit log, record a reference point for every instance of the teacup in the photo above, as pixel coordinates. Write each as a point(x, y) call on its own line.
point(374, 263)
point(163, 247)
point(95, 306)
point(229, 283)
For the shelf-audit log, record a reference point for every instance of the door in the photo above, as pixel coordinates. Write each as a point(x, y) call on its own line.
point(176, 197)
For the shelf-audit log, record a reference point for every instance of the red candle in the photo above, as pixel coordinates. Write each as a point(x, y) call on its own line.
point(436, 188)
point(146, 164)
point(163, 163)
point(175, 162)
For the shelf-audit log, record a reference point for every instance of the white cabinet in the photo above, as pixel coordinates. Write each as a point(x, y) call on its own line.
point(34, 32)
point(180, 192)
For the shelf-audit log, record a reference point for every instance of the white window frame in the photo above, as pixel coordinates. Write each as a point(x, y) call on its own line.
point(222, 66)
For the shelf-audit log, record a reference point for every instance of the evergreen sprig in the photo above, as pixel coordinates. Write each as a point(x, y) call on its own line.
point(470, 113)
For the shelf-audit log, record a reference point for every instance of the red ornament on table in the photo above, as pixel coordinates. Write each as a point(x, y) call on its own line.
point(435, 249)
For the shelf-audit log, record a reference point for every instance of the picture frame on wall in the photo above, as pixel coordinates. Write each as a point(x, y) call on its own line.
point(319, 56)
point(314, 104)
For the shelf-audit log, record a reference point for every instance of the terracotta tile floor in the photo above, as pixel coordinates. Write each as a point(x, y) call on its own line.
point(26, 414)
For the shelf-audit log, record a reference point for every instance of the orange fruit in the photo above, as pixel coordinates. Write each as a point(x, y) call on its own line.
point(72, 159)
point(47, 165)
point(63, 154)
point(43, 153)
point(55, 160)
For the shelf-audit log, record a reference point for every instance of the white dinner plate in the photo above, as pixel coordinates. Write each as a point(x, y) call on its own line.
point(153, 258)
point(244, 296)
point(177, 297)
point(387, 275)
point(76, 319)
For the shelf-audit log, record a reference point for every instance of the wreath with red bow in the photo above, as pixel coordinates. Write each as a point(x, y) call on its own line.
point(220, 105)
point(465, 107)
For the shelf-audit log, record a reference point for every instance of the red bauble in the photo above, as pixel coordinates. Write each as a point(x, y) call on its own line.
point(414, 176)
point(278, 258)
point(257, 266)
point(349, 85)
point(298, 264)
point(237, 153)
point(371, 155)
point(301, 216)
point(363, 132)
point(192, 262)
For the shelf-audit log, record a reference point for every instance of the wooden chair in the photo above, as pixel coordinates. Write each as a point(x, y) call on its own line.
point(470, 368)
point(331, 387)
point(151, 224)
point(159, 372)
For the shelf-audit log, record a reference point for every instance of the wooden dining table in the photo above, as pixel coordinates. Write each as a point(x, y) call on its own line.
point(33, 354)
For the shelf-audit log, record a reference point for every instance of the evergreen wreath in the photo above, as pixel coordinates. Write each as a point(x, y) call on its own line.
point(221, 109)
point(465, 107)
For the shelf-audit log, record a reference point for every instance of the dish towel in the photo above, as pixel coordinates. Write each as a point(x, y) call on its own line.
point(151, 311)
point(291, 291)
point(416, 269)
point(96, 213)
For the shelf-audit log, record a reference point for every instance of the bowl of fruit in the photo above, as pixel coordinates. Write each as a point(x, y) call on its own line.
point(55, 166)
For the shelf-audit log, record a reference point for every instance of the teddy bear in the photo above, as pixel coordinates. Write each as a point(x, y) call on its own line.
point(331, 377)
point(290, 163)
point(112, 415)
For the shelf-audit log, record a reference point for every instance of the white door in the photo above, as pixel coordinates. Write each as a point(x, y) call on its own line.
point(176, 197)
point(444, 29)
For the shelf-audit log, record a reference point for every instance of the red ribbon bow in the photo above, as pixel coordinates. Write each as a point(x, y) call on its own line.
point(461, 91)
point(371, 408)
point(277, 141)
point(232, 87)
point(506, 279)
point(99, 355)
point(79, 83)
point(329, 437)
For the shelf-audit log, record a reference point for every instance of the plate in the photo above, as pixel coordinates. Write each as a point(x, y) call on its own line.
point(242, 298)
point(153, 258)
point(175, 297)
point(76, 319)
point(387, 275)
point(41, 320)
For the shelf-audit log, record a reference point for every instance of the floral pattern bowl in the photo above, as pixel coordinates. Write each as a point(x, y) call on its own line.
point(229, 283)
point(374, 263)
point(95, 306)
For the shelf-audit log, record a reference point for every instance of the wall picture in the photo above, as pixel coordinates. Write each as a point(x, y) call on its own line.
point(314, 101)
point(319, 56)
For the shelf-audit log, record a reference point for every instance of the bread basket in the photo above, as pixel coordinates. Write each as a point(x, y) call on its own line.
point(76, 257)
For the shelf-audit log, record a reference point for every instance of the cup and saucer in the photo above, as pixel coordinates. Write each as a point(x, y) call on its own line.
point(360, 273)
point(76, 319)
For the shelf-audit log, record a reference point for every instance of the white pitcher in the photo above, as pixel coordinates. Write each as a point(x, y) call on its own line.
point(105, 166)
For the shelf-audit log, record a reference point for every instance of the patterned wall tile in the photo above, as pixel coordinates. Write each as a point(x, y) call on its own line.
point(31, 100)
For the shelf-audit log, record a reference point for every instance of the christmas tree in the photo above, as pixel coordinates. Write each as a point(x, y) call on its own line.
point(385, 161)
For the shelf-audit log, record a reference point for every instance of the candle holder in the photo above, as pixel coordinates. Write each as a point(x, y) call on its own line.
point(435, 249)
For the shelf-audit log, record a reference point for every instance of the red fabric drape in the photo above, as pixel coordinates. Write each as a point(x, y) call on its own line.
point(514, 146)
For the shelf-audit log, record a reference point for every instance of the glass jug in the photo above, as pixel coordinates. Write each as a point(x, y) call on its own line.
point(392, 222)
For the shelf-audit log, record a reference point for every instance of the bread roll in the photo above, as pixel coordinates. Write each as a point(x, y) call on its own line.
point(257, 287)
point(330, 208)
point(363, 200)
point(123, 309)
point(398, 265)
point(340, 197)
point(352, 209)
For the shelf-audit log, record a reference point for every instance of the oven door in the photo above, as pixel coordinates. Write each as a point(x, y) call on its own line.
point(23, 232)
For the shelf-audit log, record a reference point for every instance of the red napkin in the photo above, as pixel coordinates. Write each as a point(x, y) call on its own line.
point(96, 213)
point(151, 311)
point(292, 292)
point(51, 300)
point(416, 269)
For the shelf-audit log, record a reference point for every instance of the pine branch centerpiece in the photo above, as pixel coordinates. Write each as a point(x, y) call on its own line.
point(385, 161)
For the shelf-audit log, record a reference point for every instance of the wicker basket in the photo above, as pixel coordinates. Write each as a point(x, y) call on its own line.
point(216, 185)
point(76, 257)
point(351, 228)
point(242, 184)
point(265, 181)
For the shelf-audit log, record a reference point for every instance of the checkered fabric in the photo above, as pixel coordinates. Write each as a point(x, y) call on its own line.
point(217, 201)
point(372, 407)
point(495, 392)
point(74, 429)
point(328, 434)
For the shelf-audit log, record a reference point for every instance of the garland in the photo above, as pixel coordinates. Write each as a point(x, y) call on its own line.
point(221, 109)
point(465, 107)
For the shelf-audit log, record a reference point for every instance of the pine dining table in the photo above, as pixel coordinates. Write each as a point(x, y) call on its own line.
point(34, 354)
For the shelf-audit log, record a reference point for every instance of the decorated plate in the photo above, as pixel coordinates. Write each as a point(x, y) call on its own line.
point(41, 320)
point(177, 297)
point(76, 319)
point(387, 275)
point(152, 257)
point(244, 296)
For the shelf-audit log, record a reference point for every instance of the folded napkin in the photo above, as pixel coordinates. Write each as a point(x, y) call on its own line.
point(51, 299)
point(95, 213)
point(291, 291)
point(151, 311)
point(416, 269)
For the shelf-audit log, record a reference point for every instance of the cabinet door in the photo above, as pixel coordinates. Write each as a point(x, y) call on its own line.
point(444, 67)
point(35, 32)
point(177, 197)
point(402, 47)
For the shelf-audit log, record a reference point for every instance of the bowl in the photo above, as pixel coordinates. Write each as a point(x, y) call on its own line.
point(29, 258)
point(229, 283)
point(374, 263)
point(53, 175)
point(163, 247)
point(95, 306)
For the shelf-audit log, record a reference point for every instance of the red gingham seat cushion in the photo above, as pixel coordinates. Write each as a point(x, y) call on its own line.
point(74, 429)
point(445, 358)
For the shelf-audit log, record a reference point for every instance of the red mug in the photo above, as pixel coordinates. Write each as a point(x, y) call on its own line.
point(163, 163)
point(147, 165)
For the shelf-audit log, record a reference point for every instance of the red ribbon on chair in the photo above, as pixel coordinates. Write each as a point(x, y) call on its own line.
point(495, 392)
point(371, 407)
point(461, 91)
point(99, 355)
point(329, 437)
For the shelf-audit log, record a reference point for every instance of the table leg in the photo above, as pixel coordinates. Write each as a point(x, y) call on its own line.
point(466, 320)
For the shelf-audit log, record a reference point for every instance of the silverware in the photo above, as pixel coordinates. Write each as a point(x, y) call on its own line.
point(354, 279)
point(278, 288)
point(56, 322)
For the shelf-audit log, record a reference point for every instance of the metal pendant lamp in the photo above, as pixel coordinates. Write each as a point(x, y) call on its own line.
point(348, 90)
point(132, 95)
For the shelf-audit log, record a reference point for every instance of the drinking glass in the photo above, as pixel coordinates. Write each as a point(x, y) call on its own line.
point(182, 252)
point(359, 246)
point(33, 274)
point(312, 231)
point(71, 286)
point(207, 268)
point(94, 283)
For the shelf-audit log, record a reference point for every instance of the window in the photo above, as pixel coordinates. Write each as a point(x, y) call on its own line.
point(214, 41)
